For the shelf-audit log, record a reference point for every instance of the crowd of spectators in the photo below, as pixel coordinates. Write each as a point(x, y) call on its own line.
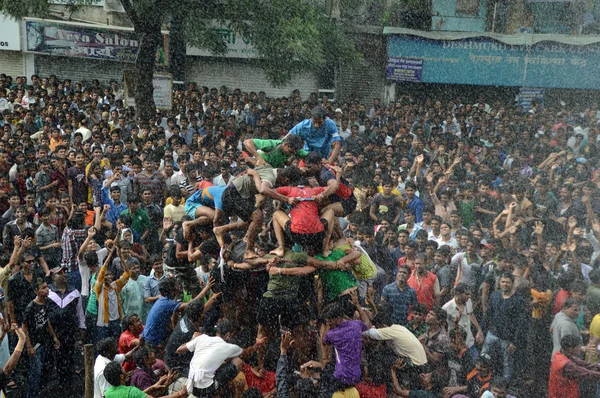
point(247, 246)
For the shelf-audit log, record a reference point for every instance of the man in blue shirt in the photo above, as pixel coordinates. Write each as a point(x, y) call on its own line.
point(114, 201)
point(162, 310)
point(320, 134)
point(401, 296)
point(413, 201)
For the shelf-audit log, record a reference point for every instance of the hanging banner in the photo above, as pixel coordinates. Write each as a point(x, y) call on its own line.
point(10, 34)
point(163, 90)
point(238, 45)
point(528, 95)
point(404, 69)
point(87, 41)
point(485, 61)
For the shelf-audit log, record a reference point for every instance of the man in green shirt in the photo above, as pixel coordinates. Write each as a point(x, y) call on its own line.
point(115, 375)
point(274, 152)
point(140, 222)
point(338, 282)
point(281, 305)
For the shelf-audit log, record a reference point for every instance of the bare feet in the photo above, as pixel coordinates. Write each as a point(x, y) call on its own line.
point(279, 252)
point(218, 234)
point(249, 255)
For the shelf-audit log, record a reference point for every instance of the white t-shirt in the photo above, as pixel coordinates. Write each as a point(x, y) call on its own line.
point(113, 307)
point(86, 274)
point(209, 354)
point(465, 320)
point(175, 213)
point(451, 243)
point(100, 383)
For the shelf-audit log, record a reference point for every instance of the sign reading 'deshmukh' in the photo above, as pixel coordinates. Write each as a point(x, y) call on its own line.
point(485, 61)
point(86, 41)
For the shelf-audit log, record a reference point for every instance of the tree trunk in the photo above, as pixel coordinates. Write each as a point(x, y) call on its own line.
point(150, 39)
point(177, 49)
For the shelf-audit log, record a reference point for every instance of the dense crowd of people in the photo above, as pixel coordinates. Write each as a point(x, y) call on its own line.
point(247, 246)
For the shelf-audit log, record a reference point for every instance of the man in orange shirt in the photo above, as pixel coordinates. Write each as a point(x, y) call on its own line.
point(425, 283)
point(566, 370)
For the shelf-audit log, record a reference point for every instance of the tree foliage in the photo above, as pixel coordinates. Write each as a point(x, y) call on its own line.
point(290, 36)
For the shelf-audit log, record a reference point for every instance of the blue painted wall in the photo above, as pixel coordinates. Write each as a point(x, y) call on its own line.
point(444, 17)
point(484, 61)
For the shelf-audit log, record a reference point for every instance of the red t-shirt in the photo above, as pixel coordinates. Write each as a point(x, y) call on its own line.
point(405, 261)
point(559, 301)
point(425, 290)
point(305, 215)
point(265, 384)
point(204, 184)
point(368, 389)
point(125, 346)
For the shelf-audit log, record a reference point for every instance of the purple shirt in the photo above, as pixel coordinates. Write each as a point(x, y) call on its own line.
point(346, 340)
point(143, 379)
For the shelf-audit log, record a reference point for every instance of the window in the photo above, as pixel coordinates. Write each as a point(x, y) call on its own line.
point(469, 7)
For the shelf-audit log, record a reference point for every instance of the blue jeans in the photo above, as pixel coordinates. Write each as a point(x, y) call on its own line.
point(74, 280)
point(35, 372)
point(508, 359)
point(112, 330)
point(474, 352)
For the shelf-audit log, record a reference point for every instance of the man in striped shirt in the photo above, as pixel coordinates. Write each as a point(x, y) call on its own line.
point(189, 184)
point(151, 179)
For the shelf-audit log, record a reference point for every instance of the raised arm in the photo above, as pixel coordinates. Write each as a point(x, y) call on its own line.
point(454, 164)
point(102, 273)
point(12, 362)
point(90, 235)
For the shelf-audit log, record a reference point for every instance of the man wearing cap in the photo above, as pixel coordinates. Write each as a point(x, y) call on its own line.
point(567, 369)
point(320, 134)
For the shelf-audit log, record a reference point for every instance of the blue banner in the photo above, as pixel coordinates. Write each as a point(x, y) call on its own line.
point(528, 95)
point(404, 69)
point(484, 61)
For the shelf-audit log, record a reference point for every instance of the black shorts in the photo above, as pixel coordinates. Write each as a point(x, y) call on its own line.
point(223, 375)
point(349, 205)
point(307, 241)
point(271, 308)
point(235, 205)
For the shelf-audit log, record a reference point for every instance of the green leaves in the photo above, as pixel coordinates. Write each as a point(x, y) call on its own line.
point(290, 36)
point(38, 8)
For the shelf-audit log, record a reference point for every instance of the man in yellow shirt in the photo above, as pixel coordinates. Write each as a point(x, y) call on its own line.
point(592, 347)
